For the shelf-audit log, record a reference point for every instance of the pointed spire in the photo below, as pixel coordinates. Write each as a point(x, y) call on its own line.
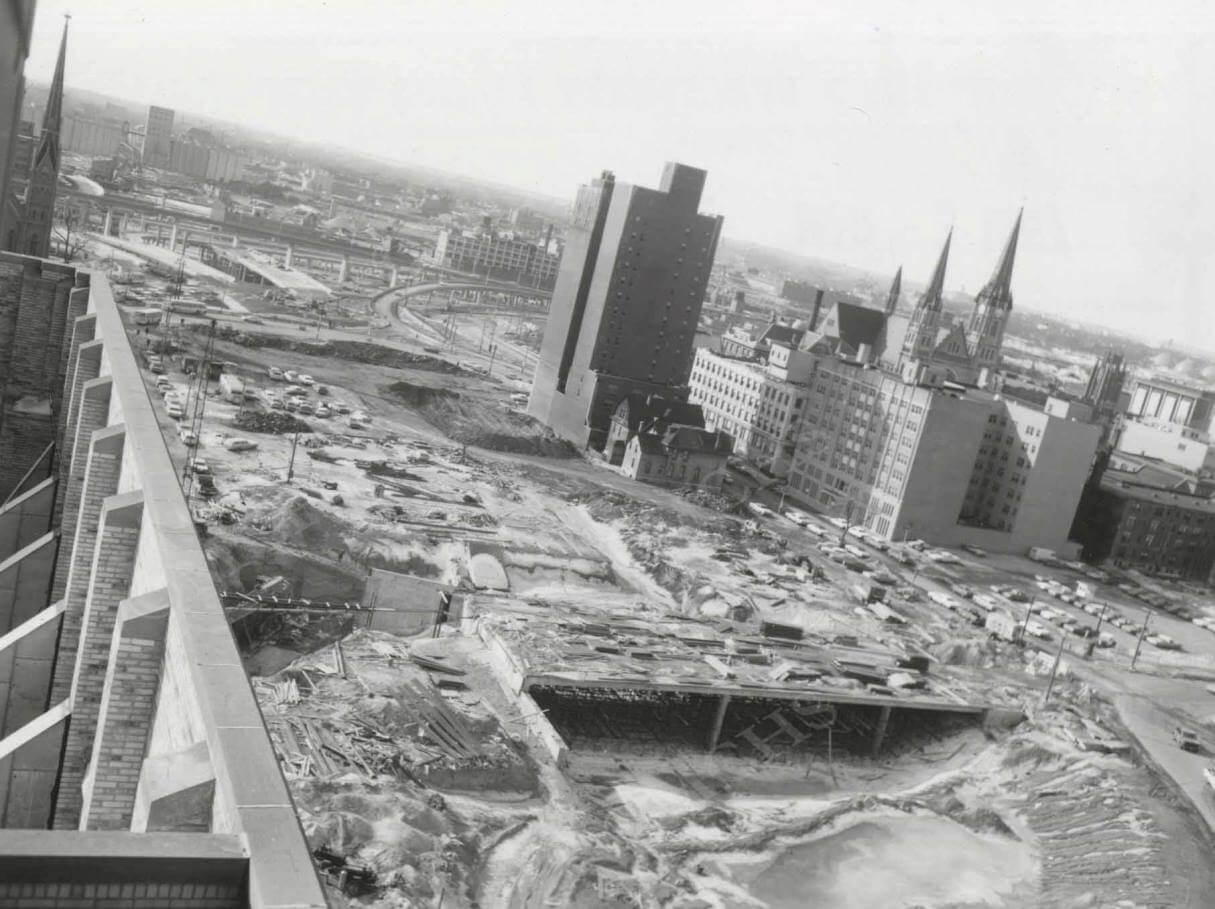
point(932, 296)
point(896, 288)
point(1000, 284)
point(52, 119)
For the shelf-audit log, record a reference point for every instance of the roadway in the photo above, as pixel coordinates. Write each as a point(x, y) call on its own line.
point(302, 245)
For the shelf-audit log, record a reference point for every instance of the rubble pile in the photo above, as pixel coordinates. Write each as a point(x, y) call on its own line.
point(272, 422)
point(371, 735)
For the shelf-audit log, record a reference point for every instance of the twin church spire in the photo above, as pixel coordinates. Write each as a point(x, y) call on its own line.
point(985, 331)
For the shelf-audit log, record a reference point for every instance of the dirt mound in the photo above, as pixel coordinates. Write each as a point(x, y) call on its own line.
point(353, 351)
point(472, 420)
point(297, 522)
point(273, 422)
point(419, 396)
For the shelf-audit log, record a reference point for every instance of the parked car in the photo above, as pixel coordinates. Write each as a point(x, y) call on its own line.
point(275, 373)
point(974, 550)
point(1163, 641)
point(304, 406)
point(1105, 640)
point(883, 577)
point(964, 591)
point(295, 390)
point(1037, 630)
point(238, 444)
point(1186, 739)
point(322, 390)
point(188, 437)
point(322, 410)
point(290, 375)
point(305, 379)
point(341, 408)
point(200, 468)
point(175, 410)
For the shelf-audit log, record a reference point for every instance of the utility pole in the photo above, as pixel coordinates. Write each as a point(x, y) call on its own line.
point(291, 466)
point(1025, 624)
point(1051, 684)
point(1101, 618)
point(1147, 616)
point(493, 351)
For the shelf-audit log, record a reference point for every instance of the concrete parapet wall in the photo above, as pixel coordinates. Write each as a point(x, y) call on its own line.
point(162, 728)
point(510, 677)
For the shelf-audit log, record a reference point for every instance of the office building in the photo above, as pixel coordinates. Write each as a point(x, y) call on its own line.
point(486, 252)
point(16, 21)
point(758, 404)
point(626, 303)
point(949, 465)
point(904, 444)
point(33, 218)
point(1147, 515)
point(158, 136)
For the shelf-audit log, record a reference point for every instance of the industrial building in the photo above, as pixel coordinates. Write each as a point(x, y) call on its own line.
point(1170, 421)
point(486, 252)
point(158, 136)
point(627, 301)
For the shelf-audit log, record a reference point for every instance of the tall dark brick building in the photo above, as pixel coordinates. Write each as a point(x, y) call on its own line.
point(627, 301)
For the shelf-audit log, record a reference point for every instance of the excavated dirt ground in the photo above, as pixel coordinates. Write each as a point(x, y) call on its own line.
point(1030, 820)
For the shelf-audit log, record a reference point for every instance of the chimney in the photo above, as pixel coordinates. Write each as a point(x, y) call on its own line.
point(818, 305)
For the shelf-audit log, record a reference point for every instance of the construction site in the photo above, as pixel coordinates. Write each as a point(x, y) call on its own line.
point(499, 674)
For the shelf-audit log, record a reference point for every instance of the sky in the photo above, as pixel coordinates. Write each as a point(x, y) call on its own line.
point(850, 131)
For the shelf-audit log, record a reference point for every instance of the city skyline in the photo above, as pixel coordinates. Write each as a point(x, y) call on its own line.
point(826, 136)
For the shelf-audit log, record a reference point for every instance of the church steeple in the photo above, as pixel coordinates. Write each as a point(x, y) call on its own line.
point(936, 287)
point(38, 214)
point(1000, 285)
point(48, 142)
point(921, 336)
point(896, 288)
point(985, 333)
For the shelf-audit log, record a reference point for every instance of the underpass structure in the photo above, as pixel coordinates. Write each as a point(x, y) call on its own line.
point(134, 761)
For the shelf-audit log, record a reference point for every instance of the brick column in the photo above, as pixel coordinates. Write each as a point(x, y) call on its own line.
point(76, 520)
point(109, 584)
point(128, 703)
point(82, 333)
point(77, 306)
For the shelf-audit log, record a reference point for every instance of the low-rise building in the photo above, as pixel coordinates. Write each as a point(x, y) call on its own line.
point(680, 456)
point(1151, 516)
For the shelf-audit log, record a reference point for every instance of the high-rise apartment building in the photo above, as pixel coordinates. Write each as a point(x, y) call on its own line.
point(16, 21)
point(158, 136)
point(626, 302)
